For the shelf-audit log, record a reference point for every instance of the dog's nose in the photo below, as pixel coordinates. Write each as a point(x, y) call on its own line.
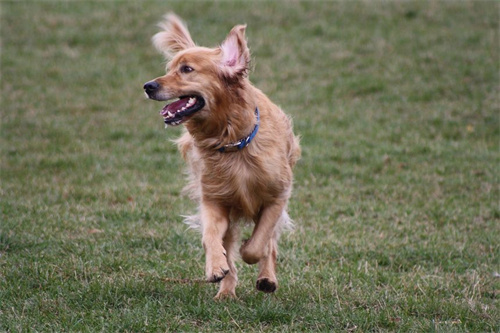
point(151, 86)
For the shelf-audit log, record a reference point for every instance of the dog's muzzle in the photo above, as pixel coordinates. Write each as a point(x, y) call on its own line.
point(150, 88)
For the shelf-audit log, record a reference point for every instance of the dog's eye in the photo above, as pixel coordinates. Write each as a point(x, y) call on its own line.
point(186, 69)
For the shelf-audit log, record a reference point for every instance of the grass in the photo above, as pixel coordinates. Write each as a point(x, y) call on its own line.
point(396, 198)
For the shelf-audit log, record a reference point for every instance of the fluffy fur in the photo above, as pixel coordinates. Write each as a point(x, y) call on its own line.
point(252, 184)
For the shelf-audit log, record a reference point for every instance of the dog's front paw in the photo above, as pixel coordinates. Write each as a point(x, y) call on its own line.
point(266, 285)
point(217, 268)
point(216, 274)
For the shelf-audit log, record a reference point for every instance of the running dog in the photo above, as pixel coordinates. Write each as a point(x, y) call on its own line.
point(239, 147)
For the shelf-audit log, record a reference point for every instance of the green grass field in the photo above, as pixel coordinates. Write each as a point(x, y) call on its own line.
point(396, 198)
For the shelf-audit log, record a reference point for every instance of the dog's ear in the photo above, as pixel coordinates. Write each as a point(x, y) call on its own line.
point(175, 36)
point(235, 53)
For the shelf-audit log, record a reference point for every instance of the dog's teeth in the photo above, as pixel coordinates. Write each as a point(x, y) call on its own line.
point(170, 114)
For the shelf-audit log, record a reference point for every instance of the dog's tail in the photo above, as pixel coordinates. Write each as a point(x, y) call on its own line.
point(193, 221)
point(285, 223)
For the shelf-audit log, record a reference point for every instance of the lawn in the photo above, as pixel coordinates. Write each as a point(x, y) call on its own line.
point(396, 197)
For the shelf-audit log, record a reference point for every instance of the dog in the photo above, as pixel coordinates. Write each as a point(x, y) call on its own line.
point(239, 147)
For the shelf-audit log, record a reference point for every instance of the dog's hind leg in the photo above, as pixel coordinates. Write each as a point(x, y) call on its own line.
point(228, 284)
point(215, 224)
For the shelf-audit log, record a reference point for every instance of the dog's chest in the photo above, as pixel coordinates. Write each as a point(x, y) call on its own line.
point(240, 184)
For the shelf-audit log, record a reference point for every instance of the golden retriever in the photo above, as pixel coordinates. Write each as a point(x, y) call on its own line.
point(239, 147)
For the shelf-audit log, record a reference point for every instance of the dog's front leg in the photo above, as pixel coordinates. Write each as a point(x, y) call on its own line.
point(215, 223)
point(267, 281)
point(228, 284)
point(257, 247)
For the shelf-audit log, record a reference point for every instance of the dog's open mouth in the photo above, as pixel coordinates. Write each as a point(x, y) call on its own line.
point(179, 111)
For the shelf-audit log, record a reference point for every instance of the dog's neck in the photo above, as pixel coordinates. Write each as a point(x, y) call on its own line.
point(243, 142)
point(237, 128)
point(232, 120)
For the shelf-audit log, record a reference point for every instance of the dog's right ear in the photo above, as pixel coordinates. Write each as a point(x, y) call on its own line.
point(235, 53)
point(175, 36)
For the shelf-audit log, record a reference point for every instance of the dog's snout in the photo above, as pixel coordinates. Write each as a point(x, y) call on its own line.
point(151, 86)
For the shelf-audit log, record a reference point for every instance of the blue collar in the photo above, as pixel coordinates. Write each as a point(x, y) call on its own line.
point(239, 145)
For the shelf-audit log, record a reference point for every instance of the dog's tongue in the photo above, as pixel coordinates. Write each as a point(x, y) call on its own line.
point(175, 106)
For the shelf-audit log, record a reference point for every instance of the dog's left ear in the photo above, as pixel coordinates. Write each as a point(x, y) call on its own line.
point(235, 53)
point(175, 36)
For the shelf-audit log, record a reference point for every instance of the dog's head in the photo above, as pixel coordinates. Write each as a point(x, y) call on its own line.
point(197, 78)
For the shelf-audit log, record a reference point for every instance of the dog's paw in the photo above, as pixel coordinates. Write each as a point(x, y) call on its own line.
point(217, 274)
point(225, 294)
point(266, 285)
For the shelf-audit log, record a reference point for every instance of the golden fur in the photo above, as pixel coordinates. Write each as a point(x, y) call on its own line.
point(254, 183)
